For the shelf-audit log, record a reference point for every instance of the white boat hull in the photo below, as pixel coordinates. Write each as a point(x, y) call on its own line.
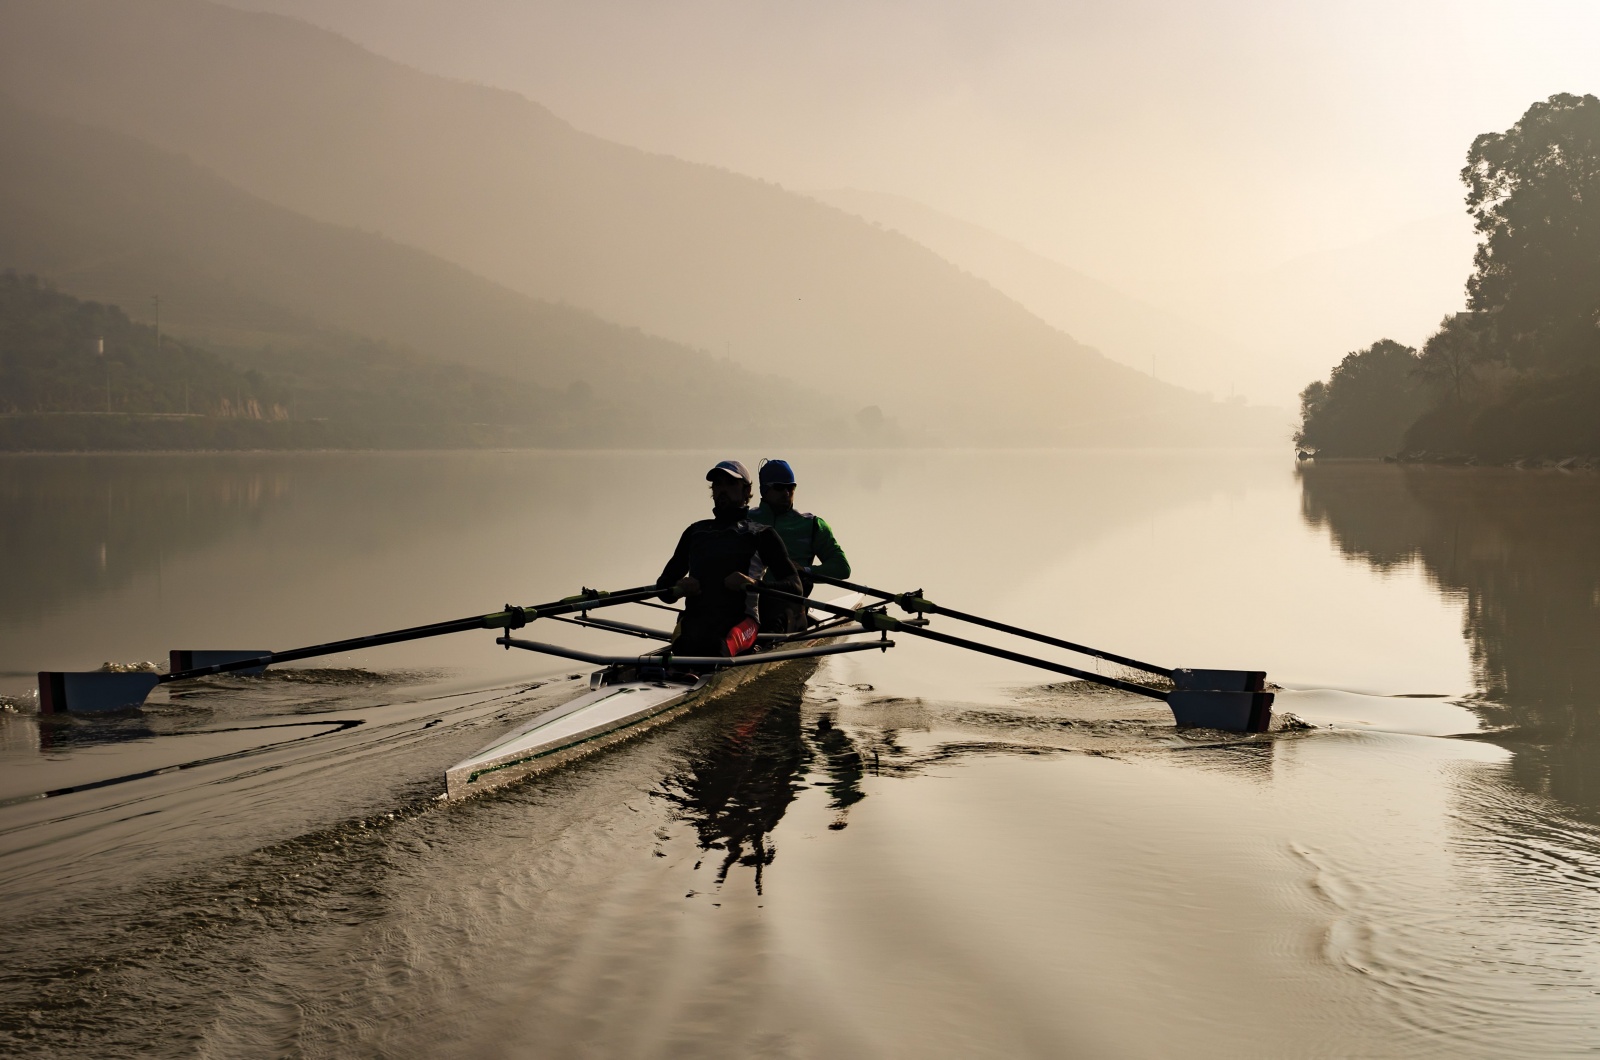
point(610, 712)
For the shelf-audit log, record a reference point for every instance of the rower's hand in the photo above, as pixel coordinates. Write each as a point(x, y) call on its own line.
point(737, 581)
point(688, 585)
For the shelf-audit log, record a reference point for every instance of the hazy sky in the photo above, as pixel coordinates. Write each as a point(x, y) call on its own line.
point(1239, 132)
point(1154, 143)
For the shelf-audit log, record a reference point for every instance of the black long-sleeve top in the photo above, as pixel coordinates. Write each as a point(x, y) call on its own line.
point(709, 551)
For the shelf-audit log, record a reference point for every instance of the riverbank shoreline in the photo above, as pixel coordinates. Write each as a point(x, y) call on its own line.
point(1426, 459)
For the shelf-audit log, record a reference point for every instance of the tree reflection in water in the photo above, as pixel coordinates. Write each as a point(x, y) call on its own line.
point(751, 762)
point(78, 526)
point(1522, 548)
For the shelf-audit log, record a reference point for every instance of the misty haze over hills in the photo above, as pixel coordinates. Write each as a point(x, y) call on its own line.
point(112, 219)
point(1127, 330)
point(517, 203)
point(1261, 334)
point(1209, 160)
point(1311, 310)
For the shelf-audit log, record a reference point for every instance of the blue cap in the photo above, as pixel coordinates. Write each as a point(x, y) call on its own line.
point(731, 468)
point(776, 473)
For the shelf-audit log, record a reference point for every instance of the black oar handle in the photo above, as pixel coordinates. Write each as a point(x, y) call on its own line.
point(877, 620)
point(511, 618)
point(666, 660)
point(917, 603)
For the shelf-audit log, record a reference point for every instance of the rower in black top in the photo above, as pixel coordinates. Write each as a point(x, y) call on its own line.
point(715, 568)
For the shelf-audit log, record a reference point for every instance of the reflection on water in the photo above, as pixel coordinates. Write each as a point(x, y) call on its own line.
point(1507, 946)
point(736, 783)
point(742, 774)
point(77, 526)
point(124, 557)
point(1045, 870)
point(735, 787)
point(1520, 548)
point(843, 764)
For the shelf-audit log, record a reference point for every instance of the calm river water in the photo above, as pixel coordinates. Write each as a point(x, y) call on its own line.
point(920, 853)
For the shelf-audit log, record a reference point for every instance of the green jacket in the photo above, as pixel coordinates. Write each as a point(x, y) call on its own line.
point(808, 538)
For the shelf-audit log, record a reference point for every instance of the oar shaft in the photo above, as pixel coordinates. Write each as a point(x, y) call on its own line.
point(919, 603)
point(1029, 660)
point(1043, 638)
point(887, 623)
point(513, 618)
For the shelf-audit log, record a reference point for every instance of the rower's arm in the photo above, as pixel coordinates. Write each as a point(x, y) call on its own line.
point(831, 560)
point(675, 569)
point(773, 554)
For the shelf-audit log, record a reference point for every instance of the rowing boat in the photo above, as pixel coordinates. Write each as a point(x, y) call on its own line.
point(623, 701)
point(633, 693)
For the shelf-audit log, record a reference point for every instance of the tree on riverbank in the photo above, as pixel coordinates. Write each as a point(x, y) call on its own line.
point(1364, 408)
point(1534, 196)
point(1451, 357)
point(1516, 375)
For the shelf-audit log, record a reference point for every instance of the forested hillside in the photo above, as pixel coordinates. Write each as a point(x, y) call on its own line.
point(60, 354)
point(81, 375)
point(1518, 374)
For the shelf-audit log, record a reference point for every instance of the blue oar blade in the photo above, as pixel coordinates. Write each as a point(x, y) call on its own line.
point(1228, 711)
point(92, 691)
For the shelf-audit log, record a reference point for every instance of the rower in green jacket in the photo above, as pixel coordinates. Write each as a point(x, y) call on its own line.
point(809, 539)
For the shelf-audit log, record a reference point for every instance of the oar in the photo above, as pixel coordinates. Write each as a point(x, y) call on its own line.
point(100, 691)
point(1183, 677)
point(916, 603)
point(666, 660)
point(1229, 710)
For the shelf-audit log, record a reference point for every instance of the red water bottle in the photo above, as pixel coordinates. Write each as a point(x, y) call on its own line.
point(740, 638)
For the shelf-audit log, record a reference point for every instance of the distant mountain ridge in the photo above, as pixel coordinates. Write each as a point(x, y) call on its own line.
point(111, 219)
point(497, 184)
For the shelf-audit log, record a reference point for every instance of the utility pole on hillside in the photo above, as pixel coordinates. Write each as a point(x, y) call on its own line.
point(155, 300)
point(100, 351)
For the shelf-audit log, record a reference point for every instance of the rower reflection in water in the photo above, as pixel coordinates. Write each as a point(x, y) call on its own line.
point(716, 566)
point(808, 538)
point(844, 765)
point(735, 788)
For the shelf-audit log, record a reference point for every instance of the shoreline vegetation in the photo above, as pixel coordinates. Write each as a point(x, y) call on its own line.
point(101, 432)
point(79, 376)
point(1428, 459)
point(1514, 379)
